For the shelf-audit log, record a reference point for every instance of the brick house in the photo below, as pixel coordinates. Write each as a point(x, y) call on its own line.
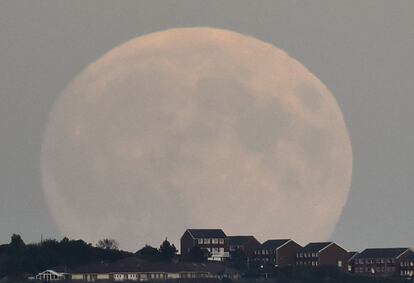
point(381, 261)
point(214, 241)
point(279, 252)
point(351, 261)
point(407, 266)
point(245, 243)
point(323, 254)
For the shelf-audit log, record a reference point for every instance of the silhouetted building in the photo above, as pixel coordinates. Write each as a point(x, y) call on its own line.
point(351, 261)
point(407, 265)
point(245, 243)
point(381, 261)
point(214, 241)
point(133, 269)
point(323, 254)
point(279, 252)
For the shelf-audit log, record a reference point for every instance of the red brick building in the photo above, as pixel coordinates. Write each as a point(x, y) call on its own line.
point(351, 261)
point(407, 266)
point(277, 252)
point(382, 262)
point(214, 241)
point(323, 254)
point(248, 244)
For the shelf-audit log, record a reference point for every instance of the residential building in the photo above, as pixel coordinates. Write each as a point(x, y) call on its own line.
point(214, 241)
point(248, 244)
point(132, 269)
point(279, 252)
point(407, 265)
point(381, 261)
point(323, 254)
point(53, 274)
point(351, 261)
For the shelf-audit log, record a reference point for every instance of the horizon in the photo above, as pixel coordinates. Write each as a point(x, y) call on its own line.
point(129, 121)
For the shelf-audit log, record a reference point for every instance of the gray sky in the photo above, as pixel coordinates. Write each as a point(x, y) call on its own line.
point(362, 51)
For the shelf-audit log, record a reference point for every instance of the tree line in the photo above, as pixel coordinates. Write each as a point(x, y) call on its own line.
point(18, 259)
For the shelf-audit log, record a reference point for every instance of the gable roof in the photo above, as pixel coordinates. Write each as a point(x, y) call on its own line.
point(240, 240)
point(352, 255)
point(316, 247)
point(410, 257)
point(382, 253)
point(274, 244)
point(206, 233)
point(50, 271)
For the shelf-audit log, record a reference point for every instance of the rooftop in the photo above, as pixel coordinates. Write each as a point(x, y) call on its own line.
point(274, 244)
point(207, 233)
point(382, 253)
point(316, 247)
point(240, 240)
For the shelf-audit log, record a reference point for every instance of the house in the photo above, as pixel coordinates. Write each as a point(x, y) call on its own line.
point(381, 261)
point(133, 269)
point(407, 266)
point(214, 241)
point(248, 244)
point(323, 254)
point(351, 261)
point(279, 253)
point(55, 274)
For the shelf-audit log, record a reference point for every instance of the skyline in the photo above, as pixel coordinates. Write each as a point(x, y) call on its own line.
point(363, 59)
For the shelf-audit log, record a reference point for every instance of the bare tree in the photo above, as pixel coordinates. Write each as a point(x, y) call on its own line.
point(108, 244)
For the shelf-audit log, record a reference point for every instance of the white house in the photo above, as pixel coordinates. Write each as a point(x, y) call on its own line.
point(50, 275)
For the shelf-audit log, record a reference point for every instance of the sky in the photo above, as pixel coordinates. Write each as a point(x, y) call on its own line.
point(361, 50)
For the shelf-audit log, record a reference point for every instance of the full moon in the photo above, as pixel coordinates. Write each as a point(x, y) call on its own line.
point(195, 128)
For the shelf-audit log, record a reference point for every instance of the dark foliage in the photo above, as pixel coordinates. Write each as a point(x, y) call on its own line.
point(109, 244)
point(17, 258)
point(239, 259)
point(148, 253)
point(167, 251)
point(309, 275)
point(197, 254)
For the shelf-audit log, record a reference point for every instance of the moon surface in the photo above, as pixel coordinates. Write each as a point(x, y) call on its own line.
point(195, 128)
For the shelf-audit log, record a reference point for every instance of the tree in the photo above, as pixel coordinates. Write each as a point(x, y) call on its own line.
point(239, 256)
point(167, 251)
point(17, 242)
point(148, 253)
point(108, 244)
point(197, 254)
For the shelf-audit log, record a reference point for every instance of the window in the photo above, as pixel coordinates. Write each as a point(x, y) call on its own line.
point(206, 241)
point(339, 263)
point(214, 241)
point(200, 241)
point(221, 241)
